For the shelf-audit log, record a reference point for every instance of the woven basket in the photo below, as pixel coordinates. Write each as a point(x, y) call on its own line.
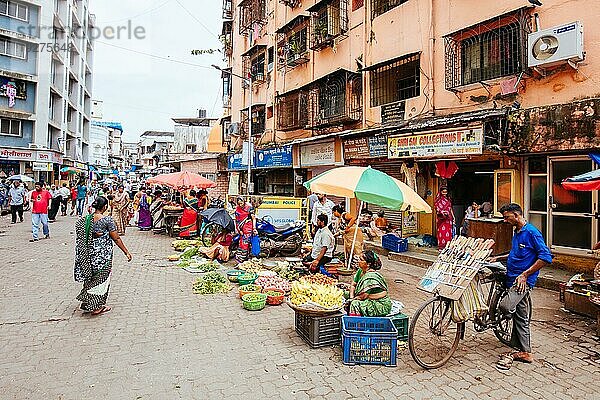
point(255, 305)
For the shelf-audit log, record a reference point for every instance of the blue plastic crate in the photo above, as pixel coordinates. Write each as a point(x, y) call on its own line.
point(400, 321)
point(395, 243)
point(369, 340)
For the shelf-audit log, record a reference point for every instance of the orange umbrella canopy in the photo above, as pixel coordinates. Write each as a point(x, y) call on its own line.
point(182, 180)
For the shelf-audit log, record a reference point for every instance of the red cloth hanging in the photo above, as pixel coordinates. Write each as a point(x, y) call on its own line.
point(444, 170)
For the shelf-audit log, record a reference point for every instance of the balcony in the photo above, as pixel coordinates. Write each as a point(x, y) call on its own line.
point(335, 99)
point(292, 39)
point(227, 9)
point(226, 38)
point(254, 63)
point(292, 110)
point(329, 21)
point(252, 13)
point(258, 121)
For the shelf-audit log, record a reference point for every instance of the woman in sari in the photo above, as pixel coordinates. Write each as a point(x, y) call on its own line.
point(245, 225)
point(144, 216)
point(120, 210)
point(444, 217)
point(220, 249)
point(93, 256)
point(347, 226)
point(189, 219)
point(369, 291)
point(156, 210)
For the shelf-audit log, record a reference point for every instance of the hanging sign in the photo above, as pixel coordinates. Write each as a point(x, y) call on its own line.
point(410, 224)
point(234, 162)
point(274, 157)
point(433, 144)
point(41, 166)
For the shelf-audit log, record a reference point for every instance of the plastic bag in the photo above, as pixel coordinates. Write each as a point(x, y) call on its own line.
point(471, 304)
point(255, 245)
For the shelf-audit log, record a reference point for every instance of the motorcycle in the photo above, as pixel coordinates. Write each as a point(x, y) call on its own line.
point(285, 240)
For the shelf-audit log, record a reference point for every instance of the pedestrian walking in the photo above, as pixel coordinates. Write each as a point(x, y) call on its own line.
point(96, 235)
point(120, 210)
point(16, 199)
point(528, 255)
point(65, 196)
point(444, 217)
point(54, 203)
point(40, 199)
point(73, 198)
point(81, 197)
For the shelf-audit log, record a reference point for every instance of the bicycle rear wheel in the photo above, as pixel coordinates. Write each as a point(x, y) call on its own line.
point(433, 337)
point(504, 328)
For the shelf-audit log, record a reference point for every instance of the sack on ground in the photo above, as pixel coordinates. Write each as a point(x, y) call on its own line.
point(471, 304)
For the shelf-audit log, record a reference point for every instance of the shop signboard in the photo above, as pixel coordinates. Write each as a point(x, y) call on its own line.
point(317, 154)
point(274, 157)
point(280, 210)
point(42, 166)
point(434, 144)
point(234, 162)
point(410, 224)
point(365, 147)
point(31, 155)
point(80, 165)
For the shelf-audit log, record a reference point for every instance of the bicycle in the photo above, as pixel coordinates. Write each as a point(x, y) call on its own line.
point(433, 336)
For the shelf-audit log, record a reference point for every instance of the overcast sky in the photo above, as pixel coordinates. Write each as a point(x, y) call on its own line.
point(143, 92)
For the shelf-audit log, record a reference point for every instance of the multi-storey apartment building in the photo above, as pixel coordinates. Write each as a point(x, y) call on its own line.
point(499, 100)
point(46, 57)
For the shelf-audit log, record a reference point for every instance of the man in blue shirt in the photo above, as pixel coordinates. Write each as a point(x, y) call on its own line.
point(528, 255)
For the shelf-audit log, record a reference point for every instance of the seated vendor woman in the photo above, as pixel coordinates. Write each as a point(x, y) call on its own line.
point(369, 291)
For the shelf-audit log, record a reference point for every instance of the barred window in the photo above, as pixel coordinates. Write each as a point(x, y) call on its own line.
point(258, 120)
point(491, 55)
point(292, 111)
point(227, 9)
point(395, 81)
point(297, 45)
point(379, 7)
point(329, 20)
point(257, 67)
point(227, 79)
point(252, 13)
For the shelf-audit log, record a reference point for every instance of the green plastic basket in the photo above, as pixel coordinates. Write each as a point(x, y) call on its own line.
point(233, 274)
point(255, 305)
point(243, 280)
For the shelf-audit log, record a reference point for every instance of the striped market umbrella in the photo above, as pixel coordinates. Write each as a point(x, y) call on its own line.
point(370, 186)
point(585, 182)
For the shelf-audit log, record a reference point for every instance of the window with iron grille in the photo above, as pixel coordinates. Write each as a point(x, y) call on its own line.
point(258, 120)
point(290, 3)
point(395, 81)
point(292, 42)
point(297, 46)
point(328, 21)
point(489, 50)
point(356, 4)
point(227, 80)
point(336, 99)
point(227, 38)
point(379, 7)
point(252, 13)
point(254, 63)
point(292, 111)
point(227, 9)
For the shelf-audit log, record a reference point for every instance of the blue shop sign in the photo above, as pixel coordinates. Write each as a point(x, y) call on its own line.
point(234, 162)
point(274, 157)
point(378, 146)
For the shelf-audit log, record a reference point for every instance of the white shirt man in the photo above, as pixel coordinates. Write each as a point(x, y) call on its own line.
point(322, 206)
point(17, 195)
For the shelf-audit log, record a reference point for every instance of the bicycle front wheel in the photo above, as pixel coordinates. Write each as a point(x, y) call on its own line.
point(433, 337)
point(209, 234)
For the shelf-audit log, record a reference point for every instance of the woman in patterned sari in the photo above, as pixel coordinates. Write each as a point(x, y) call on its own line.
point(369, 291)
point(189, 219)
point(156, 210)
point(144, 217)
point(245, 225)
point(120, 210)
point(444, 217)
point(93, 256)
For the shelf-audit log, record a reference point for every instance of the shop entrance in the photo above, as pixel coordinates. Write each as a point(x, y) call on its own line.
point(473, 182)
point(573, 222)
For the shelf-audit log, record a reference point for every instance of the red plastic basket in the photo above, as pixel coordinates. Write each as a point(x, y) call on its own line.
point(274, 300)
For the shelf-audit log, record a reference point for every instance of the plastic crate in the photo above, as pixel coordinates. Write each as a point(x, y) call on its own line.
point(369, 340)
point(400, 321)
point(319, 331)
point(395, 243)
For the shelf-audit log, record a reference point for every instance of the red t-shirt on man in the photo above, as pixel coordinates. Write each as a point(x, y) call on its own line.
point(41, 201)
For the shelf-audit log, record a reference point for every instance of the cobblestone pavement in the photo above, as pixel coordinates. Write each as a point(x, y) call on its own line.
point(162, 342)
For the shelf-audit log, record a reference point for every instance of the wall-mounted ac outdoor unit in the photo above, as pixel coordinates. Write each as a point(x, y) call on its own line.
point(233, 129)
point(559, 45)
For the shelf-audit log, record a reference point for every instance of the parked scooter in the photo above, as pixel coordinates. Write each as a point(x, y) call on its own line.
point(285, 240)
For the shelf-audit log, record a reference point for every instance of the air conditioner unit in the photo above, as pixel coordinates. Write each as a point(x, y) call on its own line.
point(559, 45)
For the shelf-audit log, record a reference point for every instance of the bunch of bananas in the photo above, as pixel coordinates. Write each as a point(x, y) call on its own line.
point(326, 296)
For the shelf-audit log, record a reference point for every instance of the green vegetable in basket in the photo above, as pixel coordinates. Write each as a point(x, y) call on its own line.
point(273, 293)
point(211, 283)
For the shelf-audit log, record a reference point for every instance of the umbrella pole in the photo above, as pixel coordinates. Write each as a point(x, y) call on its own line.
point(356, 228)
